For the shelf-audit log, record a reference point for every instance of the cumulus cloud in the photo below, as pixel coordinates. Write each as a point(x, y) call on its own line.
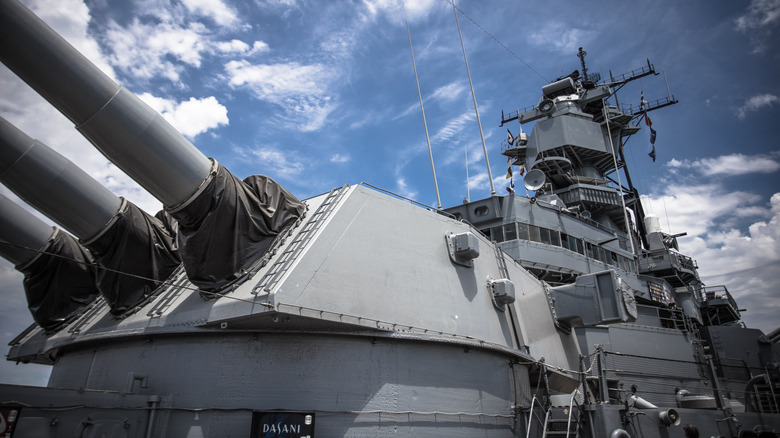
point(755, 103)
point(191, 117)
point(479, 181)
point(303, 91)
point(399, 10)
point(221, 13)
point(259, 47)
point(232, 46)
point(143, 49)
point(732, 164)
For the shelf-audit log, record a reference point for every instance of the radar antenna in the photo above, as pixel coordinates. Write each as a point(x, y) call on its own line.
point(581, 54)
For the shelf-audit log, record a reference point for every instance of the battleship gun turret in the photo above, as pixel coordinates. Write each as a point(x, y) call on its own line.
point(135, 251)
point(59, 274)
point(205, 198)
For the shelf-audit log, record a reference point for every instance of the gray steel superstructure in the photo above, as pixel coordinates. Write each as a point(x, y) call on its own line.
point(355, 312)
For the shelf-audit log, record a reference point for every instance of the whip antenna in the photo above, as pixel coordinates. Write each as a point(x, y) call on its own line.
point(474, 97)
point(427, 139)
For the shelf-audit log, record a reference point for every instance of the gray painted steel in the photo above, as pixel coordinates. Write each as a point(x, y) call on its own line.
point(53, 184)
point(23, 232)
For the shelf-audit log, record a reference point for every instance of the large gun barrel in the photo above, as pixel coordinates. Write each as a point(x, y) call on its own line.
point(21, 233)
point(59, 275)
point(135, 251)
point(233, 222)
point(53, 185)
point(127, 131)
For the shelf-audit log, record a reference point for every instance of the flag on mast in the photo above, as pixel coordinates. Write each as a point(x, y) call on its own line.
point(649, 123)
point(509, 138)
point(509, 176)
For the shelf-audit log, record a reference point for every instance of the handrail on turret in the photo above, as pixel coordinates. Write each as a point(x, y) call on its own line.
point(531, 416)
point(571, 406)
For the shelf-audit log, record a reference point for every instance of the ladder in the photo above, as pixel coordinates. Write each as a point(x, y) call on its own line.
point(286, 258)
point(564, 421)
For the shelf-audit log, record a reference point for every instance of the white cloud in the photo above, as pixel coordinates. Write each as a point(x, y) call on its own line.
point(755, 103)
point(399, 10)
point(479, 181)
point(303, 91)
point(216, 9)
point(272, 161)
point(340, 158)
point(454, 127)
point(757, 22)
point(341, 43)
point(404, 190)
point(278, 81)
point(733, 164)
point(232, 46)
point(191, 117)
point(449, 92)
point(697, 209)
point(142, 49)
point(259, 47)
point(561, 36)
point(760, 13)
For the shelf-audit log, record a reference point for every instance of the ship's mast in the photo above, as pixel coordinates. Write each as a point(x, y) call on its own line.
point(581, 54)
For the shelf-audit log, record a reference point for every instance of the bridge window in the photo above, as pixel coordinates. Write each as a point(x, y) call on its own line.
point(555, 238)
point(534, 233)
point(545, 235)
point(497, 233)
point(522, 232)
point(510, 231)
point(578, 245)
point(565, 240)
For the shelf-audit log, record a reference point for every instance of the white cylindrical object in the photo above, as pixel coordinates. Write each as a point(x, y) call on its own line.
point(652, 224)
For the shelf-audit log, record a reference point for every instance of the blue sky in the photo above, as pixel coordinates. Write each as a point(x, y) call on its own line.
point(319, 94)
